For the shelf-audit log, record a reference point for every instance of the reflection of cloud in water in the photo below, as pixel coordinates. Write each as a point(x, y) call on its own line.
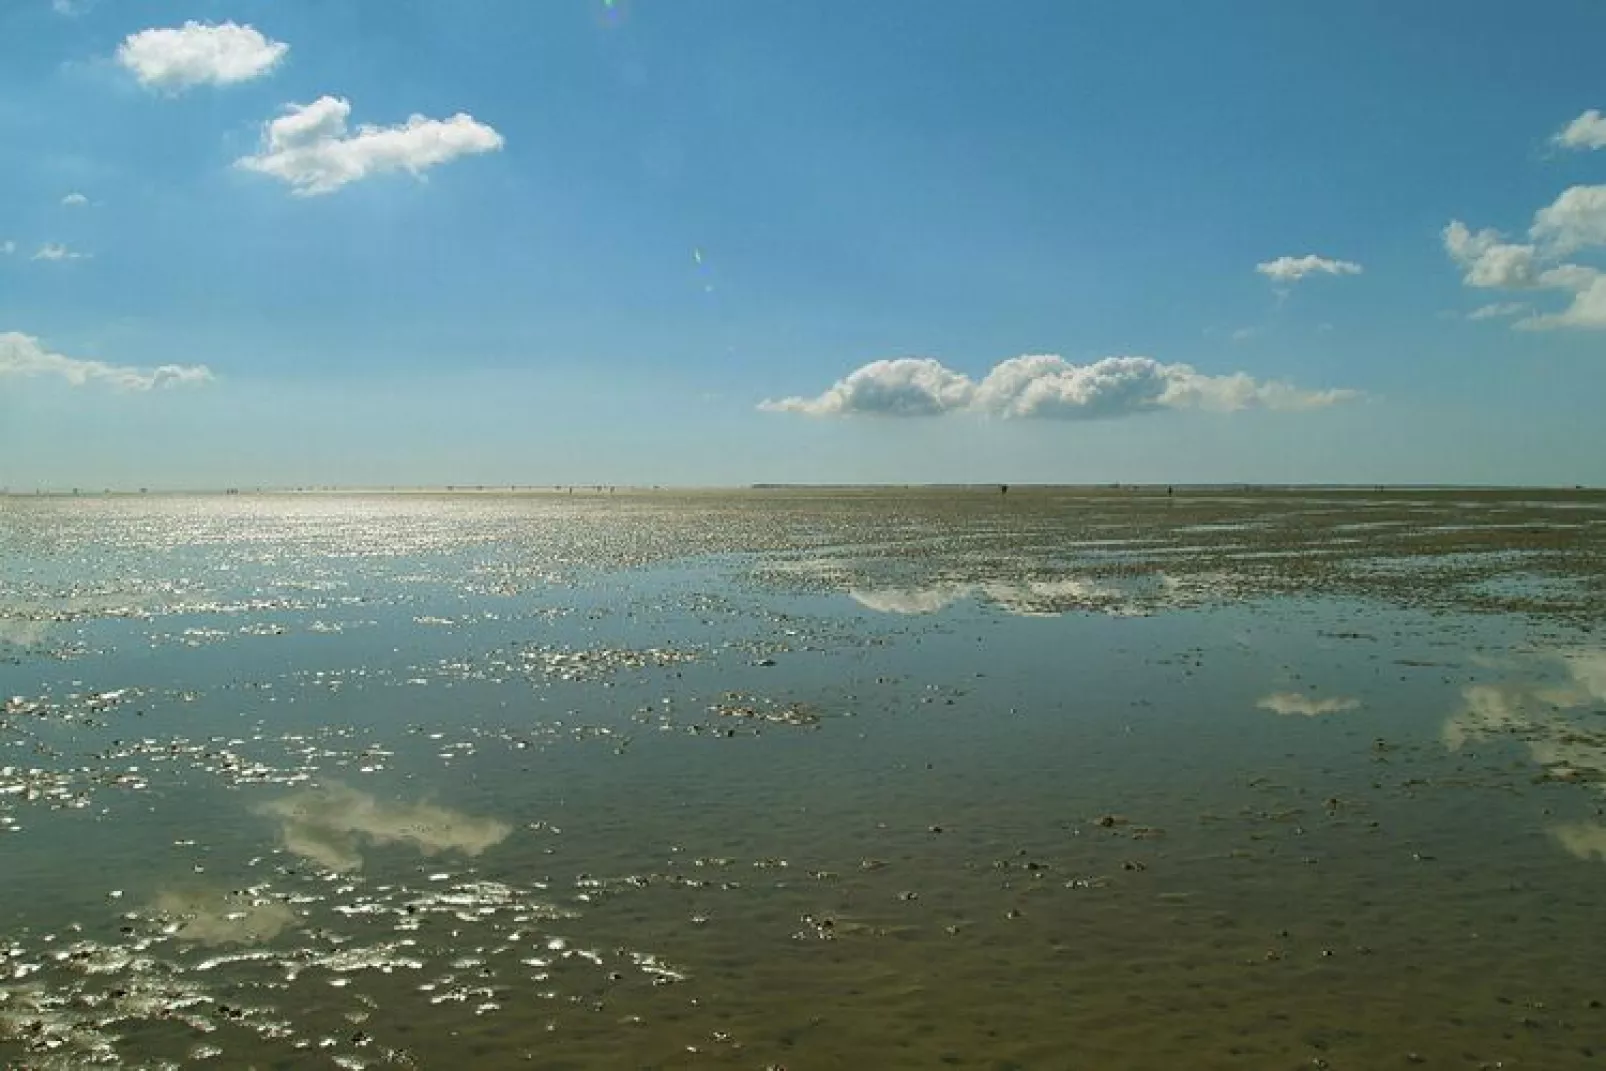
point(1588, 671)
point(1586, 840)
point(1306, 705)
point(910, 600)
point(217, 919)
point(20, 632)
point(1490, 709)
point(1538, 712)
point(330, 825)
point(1554, 719)
point(1027, 598)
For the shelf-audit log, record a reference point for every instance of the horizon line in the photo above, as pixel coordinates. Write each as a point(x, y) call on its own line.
point(604, 489)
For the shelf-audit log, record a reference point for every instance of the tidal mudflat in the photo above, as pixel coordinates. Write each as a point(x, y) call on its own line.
point(804, 779)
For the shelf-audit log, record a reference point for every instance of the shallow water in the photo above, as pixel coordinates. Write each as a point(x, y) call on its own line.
point(803, 779)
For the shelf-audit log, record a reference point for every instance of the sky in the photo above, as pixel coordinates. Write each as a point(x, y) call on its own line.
point(707, 242)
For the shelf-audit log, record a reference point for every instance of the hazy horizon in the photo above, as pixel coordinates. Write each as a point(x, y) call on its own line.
point(594, 490)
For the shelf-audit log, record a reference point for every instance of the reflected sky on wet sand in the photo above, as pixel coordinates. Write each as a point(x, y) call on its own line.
point(919, 778)
point(331, 824)
point(1306, 705)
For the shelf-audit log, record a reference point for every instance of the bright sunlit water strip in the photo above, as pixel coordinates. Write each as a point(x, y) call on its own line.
point(803, 779)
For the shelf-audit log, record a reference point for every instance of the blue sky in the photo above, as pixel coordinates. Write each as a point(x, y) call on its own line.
point(616, 231)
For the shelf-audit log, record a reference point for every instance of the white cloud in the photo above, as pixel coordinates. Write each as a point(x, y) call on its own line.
point(1572, 221)
point(1574, 277)
point(8, 247)
point(1588, 308)
point(310, 147)
point(1289, 270)
point(1049, 386)
point(57, 251)
point(22, 355)
point(906, 386)
point(70, 7)
point(1497, 310)
point(1588, 131)
point(1307, 706)
point(176, 58)
point(74, 200)
point(1046, 386)
point(1575, 220)
point(1490, 262)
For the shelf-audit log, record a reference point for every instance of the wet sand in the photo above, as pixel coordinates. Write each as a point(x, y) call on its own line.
point(804, 778)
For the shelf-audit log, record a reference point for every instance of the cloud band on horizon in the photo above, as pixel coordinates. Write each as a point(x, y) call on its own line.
point(1045, 386)
point(23, 355)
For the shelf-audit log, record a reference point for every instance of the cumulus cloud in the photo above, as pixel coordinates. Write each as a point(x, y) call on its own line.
point(1489, 261)
point(175, 58)
point(904, 386)
point(1307, 706)
point(1588, 131)
point(74, 200)
point(1587, 310)
point(1047, 387)
point(311, 148)
point(57, 251)
point(1286, 271)
point(1574, 277)
point(23, 356)
point(1572, 221)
